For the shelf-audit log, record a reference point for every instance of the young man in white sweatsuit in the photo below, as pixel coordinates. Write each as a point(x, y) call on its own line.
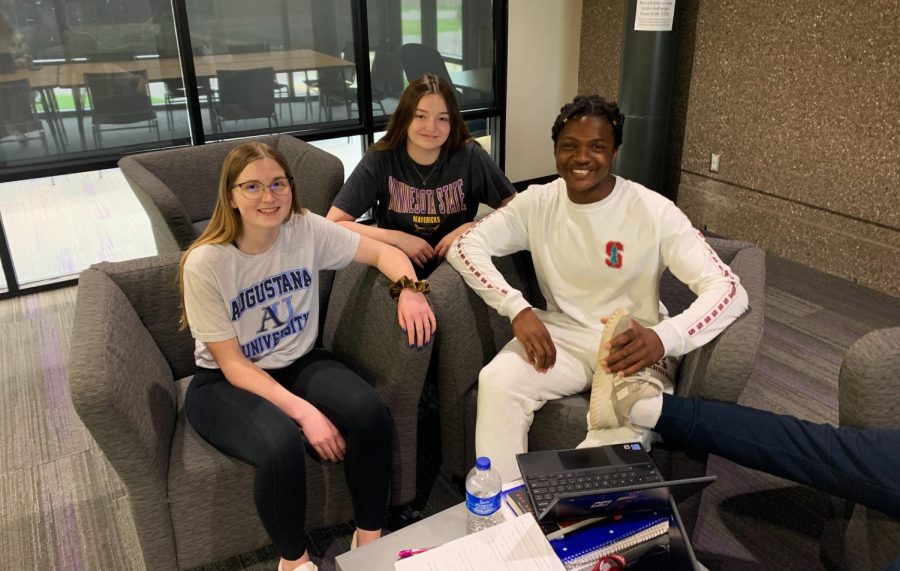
point(598, 242)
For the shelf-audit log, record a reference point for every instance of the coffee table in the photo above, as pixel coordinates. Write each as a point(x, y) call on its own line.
point(450, 524)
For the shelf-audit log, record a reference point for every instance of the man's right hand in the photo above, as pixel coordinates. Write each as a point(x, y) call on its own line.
point(535, 340)
point(418, 250)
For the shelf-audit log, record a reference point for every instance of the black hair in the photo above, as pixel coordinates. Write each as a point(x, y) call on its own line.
point(591, 106)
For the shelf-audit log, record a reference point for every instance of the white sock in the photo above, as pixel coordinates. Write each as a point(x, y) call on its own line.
point(646, 412)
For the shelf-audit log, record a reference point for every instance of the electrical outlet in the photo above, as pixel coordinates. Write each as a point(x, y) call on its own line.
point(714, 162)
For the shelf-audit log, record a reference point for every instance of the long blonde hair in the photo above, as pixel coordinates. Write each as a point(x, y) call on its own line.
point(225, 225)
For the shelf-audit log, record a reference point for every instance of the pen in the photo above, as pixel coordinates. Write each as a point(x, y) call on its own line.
point(404, 553)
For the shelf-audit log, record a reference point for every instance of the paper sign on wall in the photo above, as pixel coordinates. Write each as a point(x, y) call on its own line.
point(654, 15)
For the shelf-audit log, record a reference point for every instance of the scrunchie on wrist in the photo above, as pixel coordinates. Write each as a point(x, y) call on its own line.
point(421, 286)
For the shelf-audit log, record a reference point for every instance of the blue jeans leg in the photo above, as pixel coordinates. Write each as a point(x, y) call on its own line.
point(861, 465)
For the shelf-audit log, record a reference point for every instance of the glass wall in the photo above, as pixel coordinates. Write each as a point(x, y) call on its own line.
point(451, 38)
point(85, 82)
point(85, 79)
point(273, 65)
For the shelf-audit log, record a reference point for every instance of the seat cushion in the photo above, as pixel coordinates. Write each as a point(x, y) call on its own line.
point(211, 497)
point(561, 423)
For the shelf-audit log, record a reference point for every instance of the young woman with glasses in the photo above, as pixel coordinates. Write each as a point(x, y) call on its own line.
point(263, 393)
point(425, 178)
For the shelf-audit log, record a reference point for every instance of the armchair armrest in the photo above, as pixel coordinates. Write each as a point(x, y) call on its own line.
point(122, 389)
point(855, 536)
point(720, 369)
point(469, 334)
point(867, 387)
point(361, 329)
point(171, 225)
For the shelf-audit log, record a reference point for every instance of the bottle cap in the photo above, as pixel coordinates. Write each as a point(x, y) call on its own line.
point(483, 463)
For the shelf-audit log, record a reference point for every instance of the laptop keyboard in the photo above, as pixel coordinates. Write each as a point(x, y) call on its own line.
point(545, 488)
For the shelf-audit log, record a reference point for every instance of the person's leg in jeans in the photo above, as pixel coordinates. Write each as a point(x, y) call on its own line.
point(861, 465)
point(250, 428)
point(362, 418)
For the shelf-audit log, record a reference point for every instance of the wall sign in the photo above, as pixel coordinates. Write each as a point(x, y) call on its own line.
point(654, 15)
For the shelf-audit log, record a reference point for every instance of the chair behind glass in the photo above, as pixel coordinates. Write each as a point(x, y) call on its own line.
point(245, 94)
point(120, 98)
point(17, 113)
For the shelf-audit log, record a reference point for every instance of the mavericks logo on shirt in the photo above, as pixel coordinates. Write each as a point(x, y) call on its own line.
point(277, 322)
point(427, 206)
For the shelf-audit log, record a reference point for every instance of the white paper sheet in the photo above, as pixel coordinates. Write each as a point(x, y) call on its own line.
point(516, 544)
point(654, 15)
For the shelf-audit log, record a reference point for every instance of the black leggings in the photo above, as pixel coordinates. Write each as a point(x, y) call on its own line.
point(248, 427)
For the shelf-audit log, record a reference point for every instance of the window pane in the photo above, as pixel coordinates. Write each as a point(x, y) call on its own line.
point(348, 149)
point(56, 227)
point(449, 28)
point(464, 53)
point(272, 65)
point(86, 79)
point(411, 17)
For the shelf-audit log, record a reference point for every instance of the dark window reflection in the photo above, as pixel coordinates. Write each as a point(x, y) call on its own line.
point(451, 38)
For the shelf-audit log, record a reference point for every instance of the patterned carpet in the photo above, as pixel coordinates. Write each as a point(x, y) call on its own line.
point(62, 507)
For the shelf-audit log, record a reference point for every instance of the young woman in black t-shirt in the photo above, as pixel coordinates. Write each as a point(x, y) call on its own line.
point(424, 179)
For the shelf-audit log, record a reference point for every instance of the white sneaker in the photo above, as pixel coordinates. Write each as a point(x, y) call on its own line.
point(600, 414)
point(627, 391)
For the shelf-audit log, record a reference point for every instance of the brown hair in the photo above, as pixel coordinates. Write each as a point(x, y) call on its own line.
point(406, 111)
point(225, 225)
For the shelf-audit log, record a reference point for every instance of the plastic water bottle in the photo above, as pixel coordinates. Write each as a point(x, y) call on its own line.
point(482, 496)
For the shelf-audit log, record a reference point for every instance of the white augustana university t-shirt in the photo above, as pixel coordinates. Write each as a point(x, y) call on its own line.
point(269, 301)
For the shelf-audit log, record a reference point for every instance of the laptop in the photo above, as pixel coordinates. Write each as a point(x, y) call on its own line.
point(600, 481)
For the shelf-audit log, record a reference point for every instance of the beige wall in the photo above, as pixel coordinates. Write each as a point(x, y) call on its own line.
point(544, 38)
point(802, 101)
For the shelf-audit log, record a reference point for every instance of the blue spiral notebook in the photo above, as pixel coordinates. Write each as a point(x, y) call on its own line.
point(581, 548)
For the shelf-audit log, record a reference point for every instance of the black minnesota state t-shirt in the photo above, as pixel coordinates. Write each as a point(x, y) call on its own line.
point(409, 197)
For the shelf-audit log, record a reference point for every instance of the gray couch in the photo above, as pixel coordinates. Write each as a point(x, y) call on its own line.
point(178, 187)
point(857, 538)
point(470, 334)
point(129, 369)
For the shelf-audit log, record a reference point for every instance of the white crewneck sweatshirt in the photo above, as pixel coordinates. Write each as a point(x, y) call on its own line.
point(592, 258)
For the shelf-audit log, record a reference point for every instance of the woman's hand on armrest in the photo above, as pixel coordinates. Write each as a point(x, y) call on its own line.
point(416, 317)
point(413, 312)
point(444, 245)
point(416, 249)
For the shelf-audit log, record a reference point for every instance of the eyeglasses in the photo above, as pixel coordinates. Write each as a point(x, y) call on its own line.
point(254, 190)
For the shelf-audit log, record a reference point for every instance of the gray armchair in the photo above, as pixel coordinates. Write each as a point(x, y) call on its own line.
point(128, 372)
point(470, 334)
point(858, 538)
point(178, 187)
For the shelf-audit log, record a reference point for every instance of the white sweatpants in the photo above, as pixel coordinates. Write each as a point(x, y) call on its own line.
point(510, 390)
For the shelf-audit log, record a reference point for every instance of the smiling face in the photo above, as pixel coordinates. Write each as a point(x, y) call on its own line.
point(263, 214)
point(584, 154)
point(428, 130)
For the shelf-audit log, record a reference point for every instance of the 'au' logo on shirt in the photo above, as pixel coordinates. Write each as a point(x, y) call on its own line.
point(614, 254)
